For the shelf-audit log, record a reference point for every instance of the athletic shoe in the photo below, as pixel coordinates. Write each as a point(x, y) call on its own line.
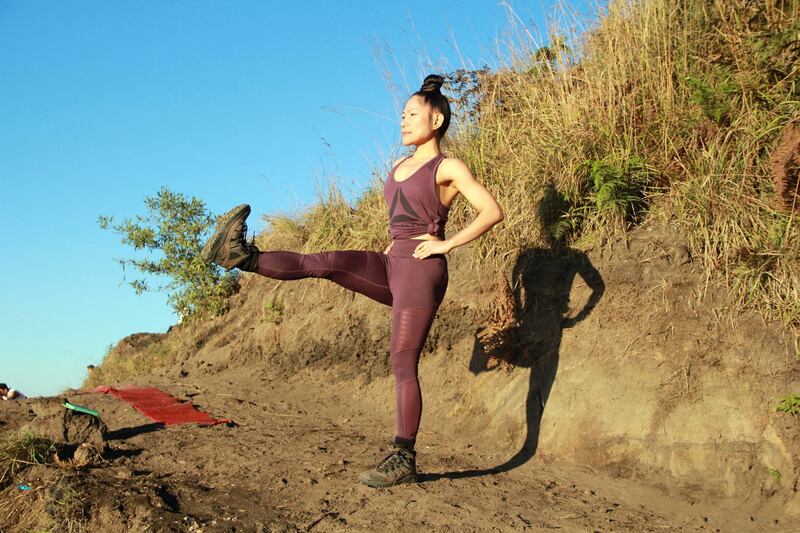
point(228, 247)
point(400, 466)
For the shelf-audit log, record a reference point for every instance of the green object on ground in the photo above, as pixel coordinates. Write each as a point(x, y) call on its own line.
point(81, 409)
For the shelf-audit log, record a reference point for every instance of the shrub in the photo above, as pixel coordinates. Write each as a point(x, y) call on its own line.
point(172, 232)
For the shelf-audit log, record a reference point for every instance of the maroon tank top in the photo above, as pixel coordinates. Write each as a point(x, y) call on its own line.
point(414, 205)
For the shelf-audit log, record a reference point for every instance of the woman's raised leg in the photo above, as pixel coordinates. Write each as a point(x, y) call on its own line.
point(361, 271)
point(364, 272)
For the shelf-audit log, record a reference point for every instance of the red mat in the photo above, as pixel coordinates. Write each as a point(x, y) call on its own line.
point(161, 407)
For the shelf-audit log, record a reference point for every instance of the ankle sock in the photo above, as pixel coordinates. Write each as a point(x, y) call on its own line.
point(406, 444)
point(251, 263)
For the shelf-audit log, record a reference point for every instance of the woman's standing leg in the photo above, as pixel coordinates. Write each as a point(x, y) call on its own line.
point(418, 287)
point(410, 329)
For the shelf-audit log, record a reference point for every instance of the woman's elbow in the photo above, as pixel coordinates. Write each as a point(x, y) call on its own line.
point(499, 215)
point(492, 214)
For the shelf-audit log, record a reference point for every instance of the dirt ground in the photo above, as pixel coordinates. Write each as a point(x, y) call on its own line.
point(629, 403)
point(291, 462)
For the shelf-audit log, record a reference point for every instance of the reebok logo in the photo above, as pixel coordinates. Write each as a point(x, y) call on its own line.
point(407, 214)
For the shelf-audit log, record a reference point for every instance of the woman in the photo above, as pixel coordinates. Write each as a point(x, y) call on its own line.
point(410, 275)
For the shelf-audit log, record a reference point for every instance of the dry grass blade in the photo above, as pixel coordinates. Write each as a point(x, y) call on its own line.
point(785, 165)
point(500, 335)
point(20, 511)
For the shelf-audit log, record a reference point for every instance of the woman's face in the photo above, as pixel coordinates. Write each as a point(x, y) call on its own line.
point(418, 124)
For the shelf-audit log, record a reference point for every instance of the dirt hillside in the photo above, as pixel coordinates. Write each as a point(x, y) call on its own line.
point(628, 401)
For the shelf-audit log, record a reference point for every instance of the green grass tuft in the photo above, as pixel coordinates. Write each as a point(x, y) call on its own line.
point(789, 404)
point(18, 450)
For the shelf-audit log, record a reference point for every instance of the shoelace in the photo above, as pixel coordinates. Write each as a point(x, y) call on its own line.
point(243, 235)
point(392, 462)
point(246, 246)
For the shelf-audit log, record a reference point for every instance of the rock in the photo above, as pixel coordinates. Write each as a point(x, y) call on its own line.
point(681, 255)
point(87, 454)
point(59, 424)
point(47, 407)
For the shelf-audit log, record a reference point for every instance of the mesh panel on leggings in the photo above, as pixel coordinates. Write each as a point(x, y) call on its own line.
point(409, 331)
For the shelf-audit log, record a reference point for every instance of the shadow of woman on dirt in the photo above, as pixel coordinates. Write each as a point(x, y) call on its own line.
point(542, 282)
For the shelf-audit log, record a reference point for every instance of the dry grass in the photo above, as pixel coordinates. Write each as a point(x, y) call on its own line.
point(21, 510)
point(121, 365)
point(56, 506)
point(332, 223)
point(666, 111)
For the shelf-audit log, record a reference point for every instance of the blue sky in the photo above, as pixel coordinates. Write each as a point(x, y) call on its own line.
point(102, 103)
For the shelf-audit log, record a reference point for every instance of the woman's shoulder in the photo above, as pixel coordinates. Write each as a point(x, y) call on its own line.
point(452, 165)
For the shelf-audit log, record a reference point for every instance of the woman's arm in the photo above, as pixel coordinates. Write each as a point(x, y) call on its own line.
point(489, 212)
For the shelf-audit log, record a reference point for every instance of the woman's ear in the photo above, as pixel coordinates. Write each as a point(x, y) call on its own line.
point(438, 120)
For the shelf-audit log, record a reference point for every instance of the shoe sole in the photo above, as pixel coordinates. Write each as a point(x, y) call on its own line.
point(411, 478)
point(212, 247)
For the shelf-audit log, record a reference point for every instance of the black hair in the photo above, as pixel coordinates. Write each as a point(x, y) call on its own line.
point(432, 95)
point(3, 386)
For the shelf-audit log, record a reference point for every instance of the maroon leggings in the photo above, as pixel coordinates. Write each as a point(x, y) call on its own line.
point(414, 288)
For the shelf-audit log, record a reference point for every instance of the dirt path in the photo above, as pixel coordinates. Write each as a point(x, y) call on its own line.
point(292, 461)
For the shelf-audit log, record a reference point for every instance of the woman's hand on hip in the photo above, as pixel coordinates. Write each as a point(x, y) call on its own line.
point(427, 248)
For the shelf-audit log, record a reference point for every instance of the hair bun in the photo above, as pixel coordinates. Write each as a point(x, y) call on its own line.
point(432, 83)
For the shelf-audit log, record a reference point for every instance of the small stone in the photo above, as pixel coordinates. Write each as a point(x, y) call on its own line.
point(124, 473)
point(681, 254)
